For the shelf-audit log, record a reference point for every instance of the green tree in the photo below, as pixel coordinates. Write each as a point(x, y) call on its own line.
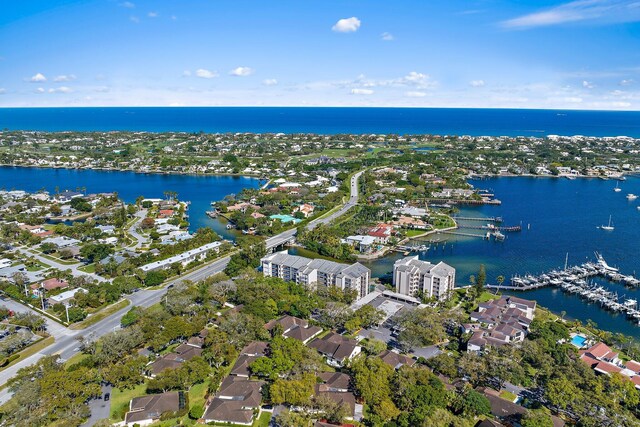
point(536, 418)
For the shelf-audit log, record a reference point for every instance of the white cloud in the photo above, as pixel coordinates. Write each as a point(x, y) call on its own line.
point(186, 73)
point(39, 77)
point(102, 89)
point(387, 36)
point(2, 91)
point(61, 89)
point(414, 78)
point(361, 91)
point(415, 94)
point(587, 84)
point(270, 82)
point(626, 82)
point(40, 90)
point(477, 83)
point(205, 74)
point(152, 14)
point(64, 78)
point(128, 5)
point(597, 11)
point(241, 71)
point(174, 17)
point(347, 25)
point(134, 19)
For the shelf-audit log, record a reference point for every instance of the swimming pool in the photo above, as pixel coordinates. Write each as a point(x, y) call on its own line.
point(578, 341)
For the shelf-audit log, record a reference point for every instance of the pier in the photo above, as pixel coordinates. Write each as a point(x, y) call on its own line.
point(490, 219)
point(491, 227)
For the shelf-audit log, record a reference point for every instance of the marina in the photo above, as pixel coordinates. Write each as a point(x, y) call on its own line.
point(576, 280)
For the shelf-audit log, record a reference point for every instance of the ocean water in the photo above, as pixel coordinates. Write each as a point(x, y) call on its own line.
point(199, 190)
point(326, 120)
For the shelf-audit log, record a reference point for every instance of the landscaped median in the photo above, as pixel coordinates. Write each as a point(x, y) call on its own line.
point(29, 351)
point(98, 316)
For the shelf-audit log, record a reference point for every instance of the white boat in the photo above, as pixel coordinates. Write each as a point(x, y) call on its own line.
point(617, 189)
point(607, 227)
point(631, 196)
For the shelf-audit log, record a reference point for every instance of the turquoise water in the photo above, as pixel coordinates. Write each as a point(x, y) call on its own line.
point(578, 341)
point(199, 190)
point(326, 120)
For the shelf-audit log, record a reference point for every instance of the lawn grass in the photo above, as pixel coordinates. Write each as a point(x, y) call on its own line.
point(487, 296)
point(31, 350)
point(507, 395)
point(91, 268)
point(105, 312)
point(262, 420)
point(197, 394)
point(76, 358)
point(120, 400)
point(413, 233)
point(56, 259)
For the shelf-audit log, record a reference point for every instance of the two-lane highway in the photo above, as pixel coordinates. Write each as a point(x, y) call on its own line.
point(66, 344)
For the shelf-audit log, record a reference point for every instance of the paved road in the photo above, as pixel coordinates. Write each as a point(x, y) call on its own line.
point(66, 344)
point(353, 200)
point(62, 267)
point(100, 409)
point(140, 239)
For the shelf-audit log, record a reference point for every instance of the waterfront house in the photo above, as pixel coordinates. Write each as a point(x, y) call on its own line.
point(499, 322)
point(381, 232)
point(364, 244)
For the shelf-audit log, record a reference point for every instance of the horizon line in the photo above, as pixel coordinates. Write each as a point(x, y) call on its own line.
point(323, 106)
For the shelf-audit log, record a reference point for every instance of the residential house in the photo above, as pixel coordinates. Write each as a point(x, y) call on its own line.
point(499, 322)
point(146, 410)
point(237, 401)
point(293, 327)
point(337, 349)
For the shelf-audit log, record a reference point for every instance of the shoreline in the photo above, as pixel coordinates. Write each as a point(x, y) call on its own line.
point(238, 175)
point(260, 178)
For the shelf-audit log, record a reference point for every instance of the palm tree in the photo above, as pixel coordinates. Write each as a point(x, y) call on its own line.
point(500, 280)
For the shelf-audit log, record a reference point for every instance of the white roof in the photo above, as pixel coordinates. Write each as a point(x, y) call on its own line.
point(180, 257)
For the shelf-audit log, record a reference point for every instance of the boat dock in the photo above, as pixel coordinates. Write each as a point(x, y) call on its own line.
point(491, 227)
point(575, 280)
point(490, 219)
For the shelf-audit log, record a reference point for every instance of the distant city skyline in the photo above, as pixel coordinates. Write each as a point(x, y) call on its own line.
point(581, 54)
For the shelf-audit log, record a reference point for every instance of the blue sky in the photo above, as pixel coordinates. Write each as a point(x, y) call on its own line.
point(582, 54)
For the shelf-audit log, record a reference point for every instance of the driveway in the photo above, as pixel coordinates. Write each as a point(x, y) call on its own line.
point(99, 408)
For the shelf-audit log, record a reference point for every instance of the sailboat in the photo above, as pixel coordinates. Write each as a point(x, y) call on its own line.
point(617, 189)
point(631, 196)
point(607, 227)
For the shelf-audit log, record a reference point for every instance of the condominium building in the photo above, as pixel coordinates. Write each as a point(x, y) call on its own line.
point(410, 276)
point(317, 272)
